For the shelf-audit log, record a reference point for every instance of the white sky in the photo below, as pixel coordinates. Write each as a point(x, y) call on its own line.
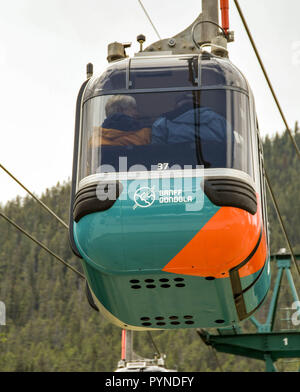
point(46, 44)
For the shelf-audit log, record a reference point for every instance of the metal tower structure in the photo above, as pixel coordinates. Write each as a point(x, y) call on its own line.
point(266, 344)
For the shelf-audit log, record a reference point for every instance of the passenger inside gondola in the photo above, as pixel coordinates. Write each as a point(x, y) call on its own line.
point(121, 126)
point(183, 129)
point(185, 122)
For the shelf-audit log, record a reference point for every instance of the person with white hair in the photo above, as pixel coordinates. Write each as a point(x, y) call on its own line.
point(121, 126)
point(125, 104)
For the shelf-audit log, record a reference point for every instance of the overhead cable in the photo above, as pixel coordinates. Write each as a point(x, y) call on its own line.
point(216, 359)
point(35, 198)
point(266, 76)
point(42, 245)
point(153, 343)
point(146, 13)
point(201, 333)
point(281, 222)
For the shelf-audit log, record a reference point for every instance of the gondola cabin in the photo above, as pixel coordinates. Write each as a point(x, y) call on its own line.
point(168, 199)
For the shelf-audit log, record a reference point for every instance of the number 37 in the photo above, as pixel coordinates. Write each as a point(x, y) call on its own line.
point(162, 166)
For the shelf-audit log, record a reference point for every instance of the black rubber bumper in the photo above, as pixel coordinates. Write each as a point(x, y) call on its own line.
point(94, 198)
point(237, 193)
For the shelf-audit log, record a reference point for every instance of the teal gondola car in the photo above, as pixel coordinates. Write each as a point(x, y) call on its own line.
point(168, 208)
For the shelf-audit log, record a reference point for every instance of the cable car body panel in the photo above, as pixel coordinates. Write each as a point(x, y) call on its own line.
point(183, 243)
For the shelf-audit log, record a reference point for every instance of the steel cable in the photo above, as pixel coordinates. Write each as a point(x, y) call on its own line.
point(153, 343)
point(146, 13)
point(41, 245)
point(281, 221)
point(266, 76)
point(35, 198)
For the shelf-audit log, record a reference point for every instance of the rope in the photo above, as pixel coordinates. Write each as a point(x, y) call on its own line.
point(35, 198)
point(42, 245)
point(146, 13)
point(266, 76)
point(153, 343)
point(281, 222)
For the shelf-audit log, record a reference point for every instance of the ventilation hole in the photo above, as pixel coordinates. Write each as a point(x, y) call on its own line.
point(150, 286)
point(180, 285)
point(134, 281)
point(179, 279)
point(175, 322)
point(136, 286)
point(160, 323)
point(220, 321)
point(149, 280)
point(187, 317)
point(210, 278)
point(189, 322)
point(159, 318)
point(164, 280)
point(145, 318)
point(146, 324)
point(173, 317)
point(165, 286)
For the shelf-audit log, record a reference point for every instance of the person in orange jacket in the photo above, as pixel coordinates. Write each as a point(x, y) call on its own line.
point(121, 126)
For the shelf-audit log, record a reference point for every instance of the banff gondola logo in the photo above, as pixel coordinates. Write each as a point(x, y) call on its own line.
point(144, 197)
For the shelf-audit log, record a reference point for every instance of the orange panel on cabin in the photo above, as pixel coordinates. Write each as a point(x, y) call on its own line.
point(225, 241)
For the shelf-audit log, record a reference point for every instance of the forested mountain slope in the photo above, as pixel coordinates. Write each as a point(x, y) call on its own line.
point(50, 326)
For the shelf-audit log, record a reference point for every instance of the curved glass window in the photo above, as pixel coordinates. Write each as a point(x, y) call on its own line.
point(166, 72)
point(221, 72)
point(165, 130)
point(114, 78)
point(163, 72)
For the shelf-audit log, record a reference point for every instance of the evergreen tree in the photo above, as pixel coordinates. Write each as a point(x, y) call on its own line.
point(51, 327)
